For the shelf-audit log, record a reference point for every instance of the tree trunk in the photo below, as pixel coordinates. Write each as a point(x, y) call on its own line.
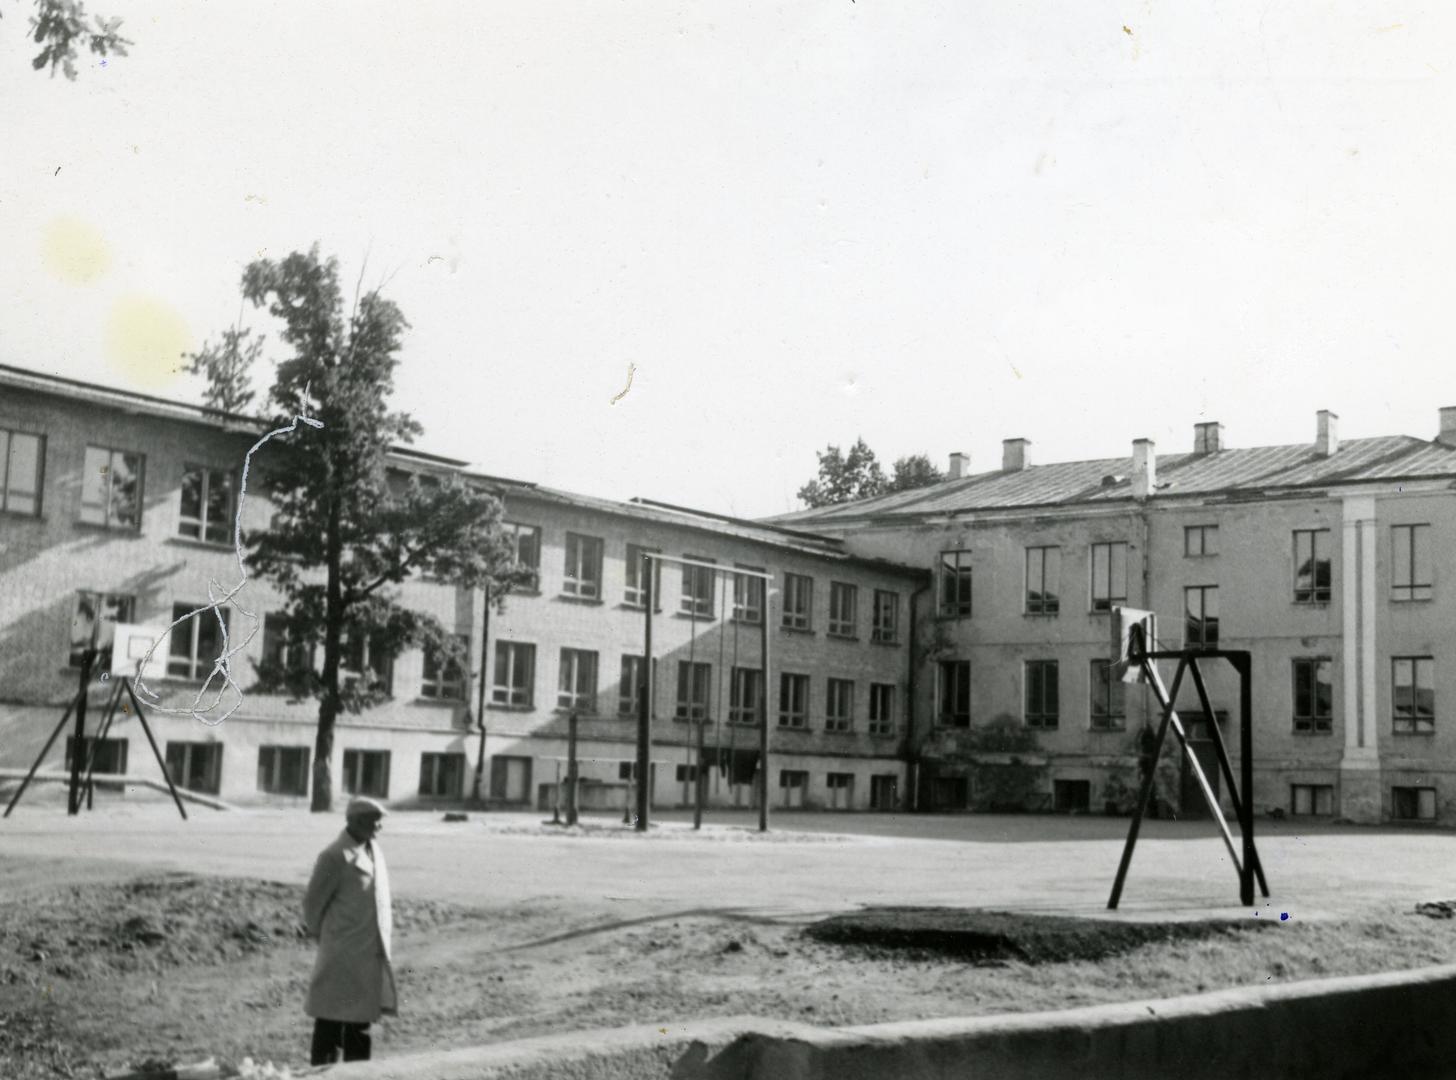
point(323, 753)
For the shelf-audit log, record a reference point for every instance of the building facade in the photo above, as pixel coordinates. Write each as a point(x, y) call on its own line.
point(119, 507)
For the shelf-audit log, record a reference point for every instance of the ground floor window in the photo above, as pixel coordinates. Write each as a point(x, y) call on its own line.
point(195, 766)
point(884, 791)
point(794, 784)
point(1071, 796)
point(110, 754)
point(686, 774)
point(283, 770)
point(1413, 803)
point(510, 778)
point(1312, 799)
point(840, 790)
point(950, 793)
point(442, 776)
point(366, 772)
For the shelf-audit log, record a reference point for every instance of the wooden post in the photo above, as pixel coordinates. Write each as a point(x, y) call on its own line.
point(571, 769)
point(763, 715)
point(73, 800)
point(1242, 663)
point(644, 705)
point(698, 777)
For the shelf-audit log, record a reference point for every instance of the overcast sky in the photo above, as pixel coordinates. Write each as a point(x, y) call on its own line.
point(936, 225)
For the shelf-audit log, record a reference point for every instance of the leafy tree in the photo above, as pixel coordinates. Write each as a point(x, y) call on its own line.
point(844, 477)
point(913, 471)
point(227, 366)
point(348, 529)
point(61, 29)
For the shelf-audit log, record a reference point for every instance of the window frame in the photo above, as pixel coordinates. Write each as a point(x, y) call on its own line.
point(1203, 532)
point(212, 780)
point(1415, 724)
point(1416, 791)
point(204, 519)
point(447, 682)
point(634, 588)
point(1102, 555)
point(431, 773)
point(108, 520)
point(1043, 601)
point(1313, 594)
point(878, 633)
point(352, 784)
point(952, 699)
point(794, 714)
point(193, 667)
point(271, 759)
point(629, 686)
point(8, 491)
point(1417, 542)
point(838, 705)
point(581, 576)
point(692, 676)
point(576, 667)
point(745, 681)
point(1207, 627)
point(504, 694)
point(1109, 708)
point(749, 594)
point(842, 625)
point(955, 597)
point(798, 610)
point(691, 603)
point(882, 710)
point(102, 602)
point(1314, 791)
point(1041, 698)
point(1308, 668)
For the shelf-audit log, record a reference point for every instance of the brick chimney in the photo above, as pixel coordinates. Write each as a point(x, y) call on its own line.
point(1144, 468)
point(1327, 433)
point(1208, 438)
point(1448, 426)
point(960, 464)
point(1014, 454)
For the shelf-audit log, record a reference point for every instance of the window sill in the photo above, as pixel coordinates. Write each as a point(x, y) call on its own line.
point(945, 616)
point(842, 637)
point(641, 609)
point(120, 530)
point(496, 706)
point(20, 515)
point(838, 731)
point(1415, 734)
point(572, 598)
point(1108, 729)
point(1412, 599)
point(1317, 604)
point(451, 702)
point(889, 642)
point(745, 622)
point(883, 734)
point(1312, 733)
point(793, 727)
point(192, 542)
point(690, 617)
point(803, 631)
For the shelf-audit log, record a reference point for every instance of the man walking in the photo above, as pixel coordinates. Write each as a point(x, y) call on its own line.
point(347, 907)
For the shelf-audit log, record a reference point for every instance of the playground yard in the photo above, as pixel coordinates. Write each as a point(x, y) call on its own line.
point(127, 935)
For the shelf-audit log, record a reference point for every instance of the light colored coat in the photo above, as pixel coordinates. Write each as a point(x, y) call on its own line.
point(347, 907)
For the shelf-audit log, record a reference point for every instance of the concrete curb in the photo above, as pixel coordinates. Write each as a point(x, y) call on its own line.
point(1394, 1024)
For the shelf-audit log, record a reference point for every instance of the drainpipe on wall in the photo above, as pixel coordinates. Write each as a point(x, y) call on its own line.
point(480, 696)
point(912, 753)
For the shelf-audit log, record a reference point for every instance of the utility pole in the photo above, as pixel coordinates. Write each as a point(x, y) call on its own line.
point(571, 769)
point(88, 658)
point(644, 706)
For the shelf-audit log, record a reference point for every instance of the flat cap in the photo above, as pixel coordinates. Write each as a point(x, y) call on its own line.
point(362, 807)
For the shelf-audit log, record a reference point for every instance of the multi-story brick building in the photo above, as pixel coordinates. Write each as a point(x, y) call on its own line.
point(121, 504)
point(1330, 561)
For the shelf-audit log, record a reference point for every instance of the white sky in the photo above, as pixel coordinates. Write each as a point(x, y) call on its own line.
point(935, 225)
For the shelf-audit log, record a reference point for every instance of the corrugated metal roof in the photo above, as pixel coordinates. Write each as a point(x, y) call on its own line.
point(1225, 472)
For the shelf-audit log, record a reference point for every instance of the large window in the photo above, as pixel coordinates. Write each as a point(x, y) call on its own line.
point(22, 458)
point(1312, 566)
point(109, 754)
point(1109, 576)
point(748, 596)
point(279, 650)
point(1413, 803)
point(283, 770)
point(366, 772)
point(515, 673)
point(843, 609)
point(839, 705)
point(1414, 706)
point(1043, 694)
point(577, 687)
point(1313, 694)
point(955, 584)
point(886, 627)
point(953, 693)
point(698, 588)
point(694, 679)
point(793, 700)
point(882, 709)
point(1410, 562)
point(1200, 617)
point(365, 664)
point(798, 602)
point(745, 688)
point(583, 575)
point(635, 594)
point(1109, 698)
point(1043, 577)
point(207, 504)
point(1316, 800)
point(93, 608)
point(442, 776)
point(444, 676)
point(196, 766)
point(526, 540)
point(111, 488)
point(197, 642)
point(630, 690)
point(1200, 541)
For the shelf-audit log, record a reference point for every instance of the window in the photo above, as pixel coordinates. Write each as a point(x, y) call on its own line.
point(366, 772)
point(110, 754)
point(443, 677)
point(207, 504)
point(283, 770)
point(365, 661)
point(793, 778)
point(955, 584)
point(793, 701)
point(635, 594)
point(693, 682)
point(843, 609)
point(577, 686)
point(583, 567)
point(882, 709)
point(1312, 799)
point(840, 789)
point(111, 488)
point(195, 766)
point(697, 588)
point(886, 628)
point(798, 602)
point(686, 774)
point(839, 705)
point(1410, 562)
point(281, 652)
point(1313, 694)
point(1200, 540)
point(1109, 576)
point(515, 673)
point(1200, 611)
point(748, 596)
point(1042, 694)
point(629, 694)
point(196, 642)
point(954, 693)
point(1109, 698)
point(745, 688)
point(1071, 796)
point(1043, 575)
point(21, 458)
point(1312, 566)
point(526, 540)
point(442, 776)
point(1413, 803)
point(1414, 707)
point(92, 609)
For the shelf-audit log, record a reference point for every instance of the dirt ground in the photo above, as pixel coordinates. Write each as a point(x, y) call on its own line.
point(101, 969)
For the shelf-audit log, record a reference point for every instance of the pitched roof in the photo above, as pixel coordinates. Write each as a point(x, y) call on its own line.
point(1228, 473)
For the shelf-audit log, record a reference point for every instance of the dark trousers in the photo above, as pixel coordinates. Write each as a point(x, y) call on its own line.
point(333, 1038)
